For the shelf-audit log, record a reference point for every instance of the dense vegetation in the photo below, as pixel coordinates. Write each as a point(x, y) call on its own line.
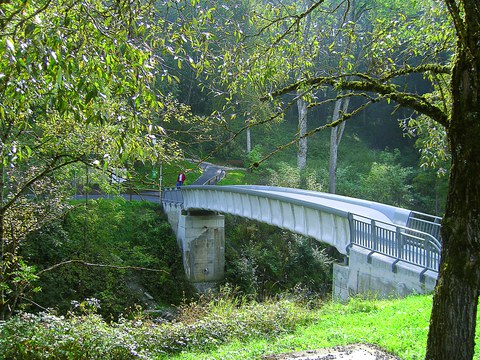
point(224, 327)
point(264, 261)
point(123, 256)
point(95, 90)
point(201, 325)
point(120, 253)
point(365, 170)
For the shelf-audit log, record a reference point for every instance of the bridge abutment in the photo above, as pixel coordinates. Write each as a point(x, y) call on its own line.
point(202, 239)
point(375, 275)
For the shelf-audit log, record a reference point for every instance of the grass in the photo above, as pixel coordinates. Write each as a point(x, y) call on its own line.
point(226, 328)
point(149, 176)
point(243, 177)
point(398, 326)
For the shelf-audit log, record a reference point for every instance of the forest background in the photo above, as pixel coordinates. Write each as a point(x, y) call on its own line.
point(89, 92)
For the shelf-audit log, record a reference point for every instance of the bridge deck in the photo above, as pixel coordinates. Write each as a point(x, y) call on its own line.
point(342, 203)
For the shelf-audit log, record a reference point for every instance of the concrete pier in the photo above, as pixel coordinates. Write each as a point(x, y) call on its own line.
point(201, 235)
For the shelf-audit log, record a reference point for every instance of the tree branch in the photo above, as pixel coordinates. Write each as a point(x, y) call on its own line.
point(366, 83)
point(47, 170)
point(460, 28)
point(433, 68)
point(296, 21)
point(87, 264)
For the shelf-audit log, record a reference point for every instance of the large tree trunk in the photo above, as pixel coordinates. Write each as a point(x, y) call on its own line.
point(453, 319)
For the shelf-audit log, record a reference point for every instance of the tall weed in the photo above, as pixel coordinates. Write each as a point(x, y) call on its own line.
point(206, 323)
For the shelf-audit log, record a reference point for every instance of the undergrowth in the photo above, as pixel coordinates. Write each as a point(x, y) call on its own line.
point(225, 325)
point(200, 326)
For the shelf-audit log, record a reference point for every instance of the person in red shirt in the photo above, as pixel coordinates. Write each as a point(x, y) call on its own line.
point(180, 179)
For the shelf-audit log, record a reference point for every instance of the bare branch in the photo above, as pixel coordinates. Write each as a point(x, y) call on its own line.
point(413, 101)
point(87, 264)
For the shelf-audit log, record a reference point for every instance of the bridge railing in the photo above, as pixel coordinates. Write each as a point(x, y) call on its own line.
point(172, 195)
point(426, 223)
point(402, 243)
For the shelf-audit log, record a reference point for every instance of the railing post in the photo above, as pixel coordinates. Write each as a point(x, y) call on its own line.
point(374, 236)
point(399, 243)
point(352, 228)
point(427, 253)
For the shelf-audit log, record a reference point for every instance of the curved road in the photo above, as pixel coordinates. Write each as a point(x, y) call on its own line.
point(211, 174)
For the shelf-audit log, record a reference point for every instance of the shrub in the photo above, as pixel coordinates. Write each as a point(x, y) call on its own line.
point(263, 260)
point(208, 322)
point(47, 336)
point(116, 234)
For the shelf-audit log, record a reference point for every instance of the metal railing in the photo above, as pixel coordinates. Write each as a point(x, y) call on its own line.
point(172, 195)
point(427, 223)
point(402, 243)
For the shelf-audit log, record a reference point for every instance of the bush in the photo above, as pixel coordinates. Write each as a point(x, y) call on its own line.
point(208, 322)
point(47, 336)
point(263, 260)
point(254, 156)
point(116, 234)
point(292, 177)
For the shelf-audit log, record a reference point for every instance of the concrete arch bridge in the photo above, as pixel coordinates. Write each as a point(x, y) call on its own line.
point(388, 250)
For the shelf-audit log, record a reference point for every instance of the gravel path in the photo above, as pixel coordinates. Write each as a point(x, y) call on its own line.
point(350, 352)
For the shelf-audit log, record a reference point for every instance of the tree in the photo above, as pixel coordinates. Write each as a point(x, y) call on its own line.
point(453, 320)
point(75, 87)
point(301, 102)
point(403, 47)
point(341, 105)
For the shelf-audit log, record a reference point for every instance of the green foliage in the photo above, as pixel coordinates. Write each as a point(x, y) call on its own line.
point(289, 176)
point(210, 321)
point(263, 261)
point(363, 172)
point(431, 139)
point(115, 235)
point(430, 191)
point(254, 156)
point(47, 336)
point(75, 87)
point(235, 177)
point(388, 183)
